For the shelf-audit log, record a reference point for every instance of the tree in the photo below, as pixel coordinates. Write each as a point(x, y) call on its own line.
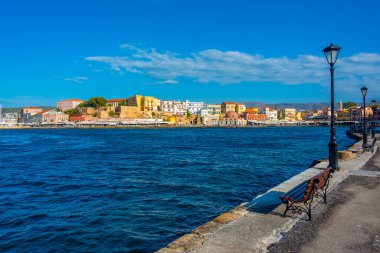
point(112, 113)
point(72, 111)
point(94, 102)
point(188, 114)
point(349, 104)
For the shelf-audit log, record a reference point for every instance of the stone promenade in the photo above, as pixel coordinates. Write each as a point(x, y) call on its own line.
point(349, 222)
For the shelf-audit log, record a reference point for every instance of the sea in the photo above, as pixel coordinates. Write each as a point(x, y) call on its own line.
point(136, 190)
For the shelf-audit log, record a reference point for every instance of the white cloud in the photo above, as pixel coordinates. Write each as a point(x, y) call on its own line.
point(76, 79)
point(230, 67)
point(170, 81)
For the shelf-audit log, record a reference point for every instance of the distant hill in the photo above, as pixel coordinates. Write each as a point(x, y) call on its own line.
point(18, 109)
point(298, 106)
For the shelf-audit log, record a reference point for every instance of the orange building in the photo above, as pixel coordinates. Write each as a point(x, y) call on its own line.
point(80, 117)
point(256, 116)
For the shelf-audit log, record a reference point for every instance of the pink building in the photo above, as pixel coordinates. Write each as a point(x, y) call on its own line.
point(68, 104)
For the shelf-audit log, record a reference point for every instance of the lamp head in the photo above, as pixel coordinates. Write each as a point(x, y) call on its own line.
point(364, 91)
point(331, 53)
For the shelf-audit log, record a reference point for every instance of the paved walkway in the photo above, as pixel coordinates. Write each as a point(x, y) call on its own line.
point(350, 222)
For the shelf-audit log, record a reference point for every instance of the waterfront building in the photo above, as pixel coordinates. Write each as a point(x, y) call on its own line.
point(143, 103)
point(326, 112)
point(271, 113)
point(179, 119)
point(27, 112)
point(240, 108)
point(252, 110)
point(68, 104)
point(211, 120)
point(288, 114)
point(256, 116)
point(54, 117)
point(194, 107)
point(30, 110)
point(232, 119)
point(228, 107)
point(80, 117)
point(359, 112)
point(196, 119)
point(10, 118)
point(116, 101)
point(37, 118)
point(149, 104)
point(135, 100)
point(299, 116)
point(343, 114)
point(214, 109)
point(204, 112)
point(173, 106)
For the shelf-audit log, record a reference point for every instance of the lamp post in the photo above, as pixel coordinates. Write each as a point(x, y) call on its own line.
point(364, 93)
point(331, 52)
point(350, 112)
point(373, 117)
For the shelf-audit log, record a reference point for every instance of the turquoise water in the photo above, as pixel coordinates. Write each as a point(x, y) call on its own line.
point(135, 190)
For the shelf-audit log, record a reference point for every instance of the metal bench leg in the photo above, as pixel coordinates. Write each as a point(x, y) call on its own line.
point(308, 208)
point(287, 208)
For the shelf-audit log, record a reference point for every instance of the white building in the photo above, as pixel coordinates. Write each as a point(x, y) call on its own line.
point(173, 106)
point(271, 113)
point(194, 107)
point(68, 104)
point(54, 117)
point(204, 112)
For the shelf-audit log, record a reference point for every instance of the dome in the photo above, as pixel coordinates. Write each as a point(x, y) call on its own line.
point(232, 115)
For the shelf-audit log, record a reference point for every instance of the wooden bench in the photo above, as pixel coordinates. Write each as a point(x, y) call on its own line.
point(300, 198)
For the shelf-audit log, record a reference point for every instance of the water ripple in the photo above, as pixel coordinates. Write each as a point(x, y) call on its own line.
point(123, 190)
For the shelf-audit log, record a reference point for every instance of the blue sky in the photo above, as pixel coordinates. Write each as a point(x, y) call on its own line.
point(267, 51)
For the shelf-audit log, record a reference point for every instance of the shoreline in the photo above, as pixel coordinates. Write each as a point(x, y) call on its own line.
point(157, 127)
point(246, 228)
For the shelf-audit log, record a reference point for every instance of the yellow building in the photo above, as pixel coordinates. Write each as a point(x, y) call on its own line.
point(287, 114)
point(228, 107)
point(343, 114)
point(214, 109)
point(144, 103)
point(179, 119)
point(299, 116)
point(135, 100)
point(240, 108)
point(253, 110)
point(149, 103)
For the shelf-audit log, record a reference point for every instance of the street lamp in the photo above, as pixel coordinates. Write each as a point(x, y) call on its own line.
point(331, 52)
point(364, 93)
point(373, 117)
point(350, 113)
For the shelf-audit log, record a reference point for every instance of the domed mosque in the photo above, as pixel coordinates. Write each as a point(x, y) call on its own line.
point(232, 115)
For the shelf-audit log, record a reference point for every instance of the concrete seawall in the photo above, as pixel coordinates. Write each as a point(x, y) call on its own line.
point(253, 226)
